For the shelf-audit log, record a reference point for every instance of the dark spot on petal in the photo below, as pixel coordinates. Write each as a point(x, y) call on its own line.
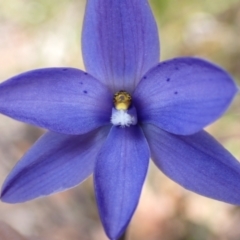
point(168, 79)
point(176, 92)
point(81, 83)
point(144, 77)
point(85, 91)
point(86, 73)
point(64, 69)
point(176, 68)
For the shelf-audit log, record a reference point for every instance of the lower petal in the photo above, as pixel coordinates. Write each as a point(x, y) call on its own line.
point(55, 163)
point(197, 162)
point(119, 175)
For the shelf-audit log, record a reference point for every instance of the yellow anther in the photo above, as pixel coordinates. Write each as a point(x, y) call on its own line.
point(122, 100)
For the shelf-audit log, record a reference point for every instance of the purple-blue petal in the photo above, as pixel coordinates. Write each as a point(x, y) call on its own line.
point(197, 162)
point(55, 163)
point(119, 41)
point(64, 100)
point(184, 95)
point(119, 174)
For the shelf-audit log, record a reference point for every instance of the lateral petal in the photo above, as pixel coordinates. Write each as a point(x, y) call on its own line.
point(64, 100)
point(184, 95)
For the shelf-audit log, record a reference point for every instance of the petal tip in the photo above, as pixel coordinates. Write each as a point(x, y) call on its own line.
point(6, 198)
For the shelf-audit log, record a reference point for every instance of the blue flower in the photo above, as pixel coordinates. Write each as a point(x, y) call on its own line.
point(110, 120)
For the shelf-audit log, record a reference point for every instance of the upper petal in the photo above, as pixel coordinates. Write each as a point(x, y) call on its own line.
point(119, 175)
point(64, 100)
point(197, 162)
point(55, 163)
point(184, 95)
point(119, 41)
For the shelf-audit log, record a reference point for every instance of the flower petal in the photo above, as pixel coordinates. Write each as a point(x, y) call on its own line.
point(55, 163)
point(119, 175)
point(184, 95)
point(197, 162)
point(119, 41)
point(64, 100)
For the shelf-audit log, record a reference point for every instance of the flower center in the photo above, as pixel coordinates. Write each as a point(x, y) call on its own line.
point(122, 100)
point(123, 114)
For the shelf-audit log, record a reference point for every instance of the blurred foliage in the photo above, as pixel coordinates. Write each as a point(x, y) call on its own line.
point(208, 29)
point(42, 33)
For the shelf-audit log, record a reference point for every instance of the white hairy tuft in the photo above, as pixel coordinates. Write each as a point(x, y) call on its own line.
point(122, 118)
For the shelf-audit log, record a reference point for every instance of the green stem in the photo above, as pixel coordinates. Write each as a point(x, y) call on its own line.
point(124, 236)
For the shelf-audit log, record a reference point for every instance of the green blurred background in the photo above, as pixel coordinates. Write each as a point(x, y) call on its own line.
point(43, 33)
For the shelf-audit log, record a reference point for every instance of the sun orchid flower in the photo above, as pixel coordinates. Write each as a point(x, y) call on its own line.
point(124, 110)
